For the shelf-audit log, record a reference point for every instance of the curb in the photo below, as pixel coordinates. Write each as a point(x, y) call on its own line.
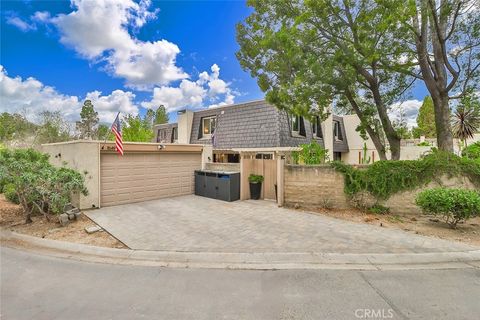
point(248, 261)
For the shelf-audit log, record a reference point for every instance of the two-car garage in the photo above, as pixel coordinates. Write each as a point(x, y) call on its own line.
point(145, 176)
point(146, 171)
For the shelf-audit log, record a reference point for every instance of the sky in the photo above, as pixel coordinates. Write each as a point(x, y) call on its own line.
point(126, 56)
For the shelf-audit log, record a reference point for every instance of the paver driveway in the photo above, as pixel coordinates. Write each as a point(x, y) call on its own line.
point(192, 223)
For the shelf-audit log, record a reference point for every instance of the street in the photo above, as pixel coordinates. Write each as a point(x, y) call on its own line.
point(42, 287)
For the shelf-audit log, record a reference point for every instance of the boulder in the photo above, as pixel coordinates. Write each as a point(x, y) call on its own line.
point(63, 219)
point(93, 229)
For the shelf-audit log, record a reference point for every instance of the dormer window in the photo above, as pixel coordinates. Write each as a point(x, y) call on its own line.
point(337, 131)
point(208, 126)
point(295, 121)
point(317, 128)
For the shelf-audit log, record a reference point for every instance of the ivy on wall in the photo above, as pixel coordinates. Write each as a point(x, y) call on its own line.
point(385, 178)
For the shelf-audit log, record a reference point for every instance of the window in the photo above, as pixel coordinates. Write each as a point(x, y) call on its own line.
point(337, 131)
point(174, 134)
point(337, 156)
point(161, 135)
point(265, 156)
point(295, 122)
point(208, 126)
point(317, 128)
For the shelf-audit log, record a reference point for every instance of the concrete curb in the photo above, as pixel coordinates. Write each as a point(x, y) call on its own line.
point(251, 261)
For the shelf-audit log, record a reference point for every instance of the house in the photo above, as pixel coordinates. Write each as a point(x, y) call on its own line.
point(264, 131)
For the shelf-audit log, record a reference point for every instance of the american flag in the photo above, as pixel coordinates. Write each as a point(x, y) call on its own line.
point(117, 130)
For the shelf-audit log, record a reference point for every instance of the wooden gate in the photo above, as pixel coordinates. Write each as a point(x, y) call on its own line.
point(266, 168)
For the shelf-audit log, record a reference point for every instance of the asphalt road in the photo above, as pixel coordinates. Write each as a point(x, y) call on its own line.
point(40, 287)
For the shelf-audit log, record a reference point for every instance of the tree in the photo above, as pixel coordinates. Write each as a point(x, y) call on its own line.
point(307, 55)
point(136, 128)
point(161, 115)
point(53, 128)
point(426, 119)
point(89, 121)
point(15, 127)
point(104, 132)
point(442, 38)
point(466, 119)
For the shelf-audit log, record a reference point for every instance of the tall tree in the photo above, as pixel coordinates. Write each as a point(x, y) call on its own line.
point(137, 129)
point(161, 115)
point(87, 126)
point(443, 41)
point(53, 128)
point(308, 54)
point(426, 119)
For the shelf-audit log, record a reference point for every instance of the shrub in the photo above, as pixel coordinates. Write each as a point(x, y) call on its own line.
point(384, 178)
point(424, 144)
point(472, 151)
point(311, 153)
point(255, 178)
point(39, 186)
point(10, 193)
point(454, 205)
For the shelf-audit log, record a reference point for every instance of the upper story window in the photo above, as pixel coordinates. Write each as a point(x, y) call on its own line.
point(295, 122)
point(208, 126)
point(317, 128)
point(337, 131)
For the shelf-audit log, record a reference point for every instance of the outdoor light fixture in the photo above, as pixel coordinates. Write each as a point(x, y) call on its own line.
point(160, 147)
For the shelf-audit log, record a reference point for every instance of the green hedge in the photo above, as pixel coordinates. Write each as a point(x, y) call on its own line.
point(454, 205)
point(472, 151)
point(385, 178)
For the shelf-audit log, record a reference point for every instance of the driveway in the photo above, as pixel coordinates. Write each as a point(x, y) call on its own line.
point(192, 223)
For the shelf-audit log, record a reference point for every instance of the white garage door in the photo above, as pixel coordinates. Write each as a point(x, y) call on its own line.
point(139, 177)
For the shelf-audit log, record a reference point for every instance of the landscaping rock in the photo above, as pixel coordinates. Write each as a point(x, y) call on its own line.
point(71, 216)
point(78, 214)
point(63, 219)
point(72, 211)
point(93, 229)
point(68, 206)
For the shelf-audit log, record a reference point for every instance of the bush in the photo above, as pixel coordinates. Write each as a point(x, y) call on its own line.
point(10, 193)
point(39, 186)
point(454, 205)
point(255, 178)
point(384, 178)
point(424, 144)
point(472, 151)
point(311, 153)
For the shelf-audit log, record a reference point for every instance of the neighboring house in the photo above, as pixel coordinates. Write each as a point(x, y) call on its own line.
point(255, 126)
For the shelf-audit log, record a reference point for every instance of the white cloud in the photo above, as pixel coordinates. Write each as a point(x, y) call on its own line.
point(30, 97)
point(108, 106)
point(20, 24)
point(41, 16)
point(408, 110)
point(99, 31)
point(208, 89)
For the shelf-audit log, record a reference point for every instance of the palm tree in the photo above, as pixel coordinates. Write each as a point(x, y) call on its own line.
point(466, 121)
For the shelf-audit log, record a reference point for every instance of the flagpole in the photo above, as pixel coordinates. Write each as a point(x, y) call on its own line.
point(110, 129)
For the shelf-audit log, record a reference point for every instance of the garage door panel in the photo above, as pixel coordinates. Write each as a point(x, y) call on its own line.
point(146, 176)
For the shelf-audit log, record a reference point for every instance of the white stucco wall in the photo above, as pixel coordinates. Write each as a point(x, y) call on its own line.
point(356, 143)
point(82, 156)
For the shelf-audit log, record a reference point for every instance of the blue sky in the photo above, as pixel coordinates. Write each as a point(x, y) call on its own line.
point(124, 55)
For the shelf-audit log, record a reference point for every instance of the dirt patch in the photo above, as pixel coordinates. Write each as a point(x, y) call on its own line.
point(468, 232)
point(12, 218)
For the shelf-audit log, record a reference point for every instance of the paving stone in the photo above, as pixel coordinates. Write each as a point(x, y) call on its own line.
point(192, 223)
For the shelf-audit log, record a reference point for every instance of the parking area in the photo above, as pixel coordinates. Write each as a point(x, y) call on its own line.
point(198, 224)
